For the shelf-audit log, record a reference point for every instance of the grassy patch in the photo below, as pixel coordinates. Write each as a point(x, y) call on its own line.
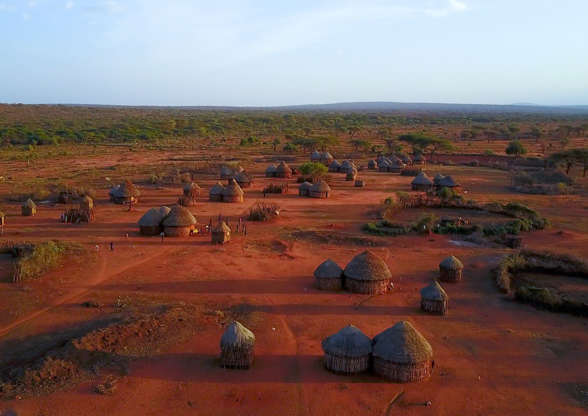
point(41, 259)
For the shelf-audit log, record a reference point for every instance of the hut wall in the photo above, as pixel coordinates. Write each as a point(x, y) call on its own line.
point(449, 275)
point(232, 198)
point(270, 175)
point(244, 184)
point(346, 365)
point(216, 198)
point(121, 200)
point(314, 194)
point(438, 307)
point(150, 230)
point(329, 284)
point(177, 231)
point(220, 238)
point(186, 201)
point(28, 211)
point(283, 175)
point(368, 287)
point(402, 373)
point(303, 192)
point(236, 357)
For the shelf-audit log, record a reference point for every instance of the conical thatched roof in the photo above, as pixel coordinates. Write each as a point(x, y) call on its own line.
point(154, 217)
point(305, 185)
point(316, 155)
point(422, 179)
point(29, 204)
point(236, 335)
point(418, 157)
point(221, 227)
point(434, 292)
point(384, 163)
point(326, 156)
point(233, 188)
point(125, 190)
point(348, 342)
point(402, 344)
point(226, 171)
point(243, 177)
point(271, 169)
point(179, 216)
point(283, 168)
point(217, 189)
point(405, 158)
point(320, 186)
point(346, 163)
point(437, 179)
point(328, 270)
point(451, 263)
point(367, 266)
point(334, 165)
point(447, 181)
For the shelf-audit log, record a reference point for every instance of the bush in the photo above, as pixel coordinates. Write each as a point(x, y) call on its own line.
point(274, 189)
point(515, 148)
point(43, 258)
point(425, 223)
point(385, 228)
point(313, 169)
point(262, 211)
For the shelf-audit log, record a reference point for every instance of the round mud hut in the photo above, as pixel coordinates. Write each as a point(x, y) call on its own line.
point(315, 156)
point(226, 173)
point(216, 192)
point(150, 222)
point(191, 190)
point(178, 222)
point(221, 233)
point(237, 345)
point(450, 269)
point(447, 182)
point(421, 182)
point(86, 203)
point(401, 354)
point(283, 170)
point(326, 158)
point(243, 179)
point(334, 166)
point(437, 180)
point(418, 159)
point(232, 192)
point(434, 299)
point(373, 164)
point(347, 351)
point(124, 193)
point(321, 189)
point(29, 208)
point(368, 274)
point(304, 189)
point(384, 165)
point(329, 276)
point(270, 172)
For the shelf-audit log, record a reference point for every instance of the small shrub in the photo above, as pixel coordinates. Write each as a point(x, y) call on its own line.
point(262, 211)
point(43, 258)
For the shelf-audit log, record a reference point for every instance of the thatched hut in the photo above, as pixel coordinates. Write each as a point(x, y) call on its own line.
point(304, 189)
point(226, 173)
point(421, 182)
point(216, 192)
point(29, 208)
point(178, 222)
point(450, 269)
point(320, 189)
point(270, 172)
point(405, 159)
point(221, 233)
point(367, 273)
point(233, 192)
point(434, 299)
point(401, 354)
point(243, 179)
point(86, 203)
point(191, 190)
point(329, 276)
point(347, 166)
point(150, 222)
point(283, 170)
point(396, 166)
point(334, 166)
point(447, 182)
point(347, 351)
point(373, 164)
point(384, 165)
point(437, 180)
point(237, 345)
point(315, 156)
point(124, 193)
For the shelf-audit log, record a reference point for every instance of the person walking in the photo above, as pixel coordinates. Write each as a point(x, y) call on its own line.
point(162, 234)
point(112, 246)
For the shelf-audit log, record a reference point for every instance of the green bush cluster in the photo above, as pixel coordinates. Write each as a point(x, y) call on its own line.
point(43, 258)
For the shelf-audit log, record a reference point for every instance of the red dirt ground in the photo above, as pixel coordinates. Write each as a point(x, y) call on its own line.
point(493, 356)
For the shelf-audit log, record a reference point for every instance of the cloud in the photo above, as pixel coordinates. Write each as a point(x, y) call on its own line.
point(452, 6)
point(458, 5)
point(69, 5)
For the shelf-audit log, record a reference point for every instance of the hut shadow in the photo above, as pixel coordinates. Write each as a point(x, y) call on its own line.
point(266, 369)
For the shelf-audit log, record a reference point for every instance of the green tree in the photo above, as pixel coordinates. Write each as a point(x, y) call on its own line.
point(314, 169)
point(516, 148)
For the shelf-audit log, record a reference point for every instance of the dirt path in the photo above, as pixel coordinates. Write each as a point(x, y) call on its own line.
point(100, 276)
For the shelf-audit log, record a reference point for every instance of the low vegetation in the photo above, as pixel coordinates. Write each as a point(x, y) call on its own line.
point(263, 211)
point(40, 259)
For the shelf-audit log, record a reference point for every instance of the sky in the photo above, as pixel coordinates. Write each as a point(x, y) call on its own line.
point(285, 52)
